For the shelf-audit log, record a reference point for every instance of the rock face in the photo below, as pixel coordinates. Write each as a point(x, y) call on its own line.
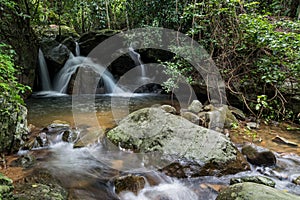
point(131, 183)
point(263, 158)
point(190, 149)
point(6, 188)
point(13, 126)
point(90, 40)
point(56, 55)
point(254, 191)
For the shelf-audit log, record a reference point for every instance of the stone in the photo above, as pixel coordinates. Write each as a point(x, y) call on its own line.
point(252, 125)
point(296, 180)
point(254, 191)
point(191, 117)
point(56, 55)
point(132, 183)
point(40, 185)
point(169, 109)
point(255, 179)
point(88, 41)
point(195, 107)
point(263, 158)
point(281, 140)
point(186, 148)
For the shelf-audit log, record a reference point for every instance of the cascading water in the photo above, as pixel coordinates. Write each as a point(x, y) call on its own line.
point(77, 49)
point(62, 79)
point(136, 57)
point(44, 74)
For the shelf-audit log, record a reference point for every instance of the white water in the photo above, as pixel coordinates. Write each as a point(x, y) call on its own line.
point(172, 191)
point(62, 79)
point(77, 49)
point(44, 74)
point(136, 57)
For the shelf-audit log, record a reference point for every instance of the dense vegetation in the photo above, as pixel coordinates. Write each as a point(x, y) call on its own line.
point(255, 44)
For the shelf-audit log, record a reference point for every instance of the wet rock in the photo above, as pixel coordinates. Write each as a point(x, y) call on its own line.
point(263, 158)
point(25, 161)
point(88, 41)
point(254, 191)
point(252, 125)
point(40, 185)
point(195, 107)
point(297, 180)
point(6, 188)
point(56, 55)
point(254, 179)
point(69, 42)
point(88, 138)
point(132, 183)
point(191, 117)
point(168, 109)
point(282, 140)
point(197, 150)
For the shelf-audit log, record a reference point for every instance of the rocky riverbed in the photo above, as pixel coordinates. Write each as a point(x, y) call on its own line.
point(153, 153)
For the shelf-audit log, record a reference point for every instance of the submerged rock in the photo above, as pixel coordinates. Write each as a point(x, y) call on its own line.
point(132, 183)
point(255, 179)
point(254, 191)
point(196, 150)
point(264, 158)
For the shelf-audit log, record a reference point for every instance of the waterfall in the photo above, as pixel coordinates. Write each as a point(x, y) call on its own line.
point(43, 71)
point(136, 57)
point(62, 79)
point(77, 49)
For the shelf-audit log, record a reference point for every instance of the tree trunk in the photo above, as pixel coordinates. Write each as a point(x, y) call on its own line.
point(295, 6)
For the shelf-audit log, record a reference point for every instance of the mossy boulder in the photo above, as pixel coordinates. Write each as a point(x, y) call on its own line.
point(254, 191)
point(189, 148)
point(13, 125)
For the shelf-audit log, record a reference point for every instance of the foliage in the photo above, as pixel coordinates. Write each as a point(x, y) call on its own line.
point(254, 43)
point(9, 87)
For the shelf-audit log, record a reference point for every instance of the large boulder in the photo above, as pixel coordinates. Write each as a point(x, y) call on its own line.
point(56, 55)
point(259, 157)
point(88, 41)
point(13, 126)
point(254, 191)
point(190, 150)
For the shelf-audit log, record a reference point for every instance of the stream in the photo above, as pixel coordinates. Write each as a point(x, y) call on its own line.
point(87, 172)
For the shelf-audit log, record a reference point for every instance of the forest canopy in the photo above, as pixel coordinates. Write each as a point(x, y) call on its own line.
point(255, 44)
